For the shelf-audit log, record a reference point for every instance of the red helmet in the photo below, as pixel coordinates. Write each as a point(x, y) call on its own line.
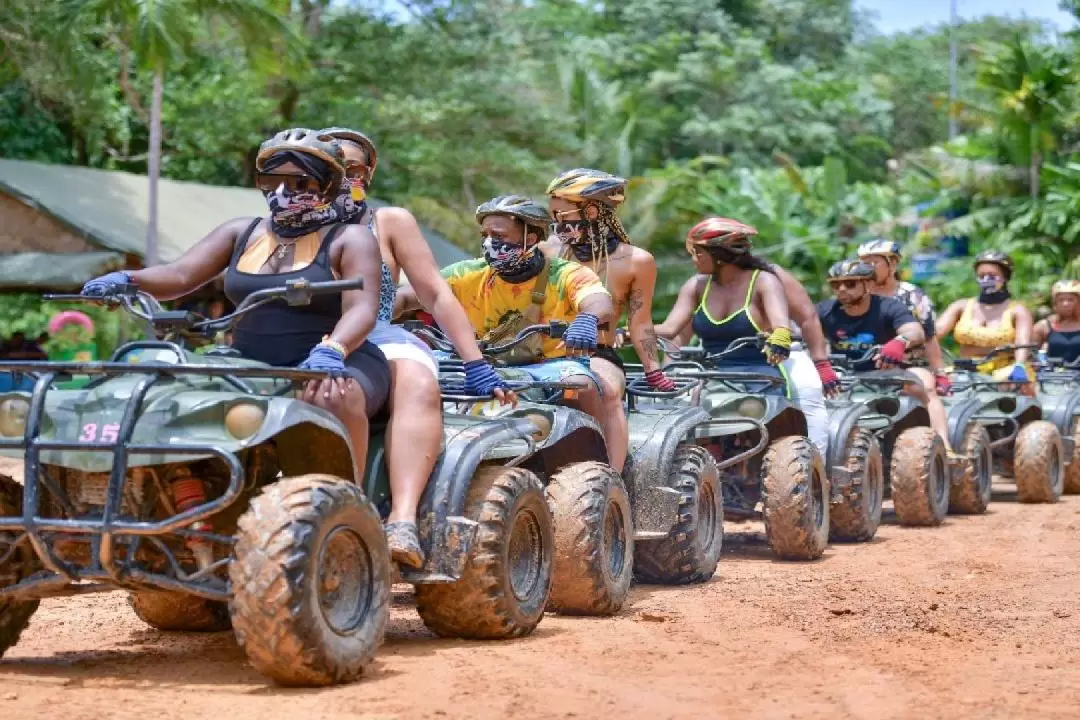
point(721, 232)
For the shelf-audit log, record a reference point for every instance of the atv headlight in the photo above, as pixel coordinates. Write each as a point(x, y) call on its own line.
point(13, 412)
point(751, 407)
point(244, 419)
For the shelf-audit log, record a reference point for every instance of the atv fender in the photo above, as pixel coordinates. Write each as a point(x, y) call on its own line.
point(961, 414)
point(446, 535)
point(654, 436)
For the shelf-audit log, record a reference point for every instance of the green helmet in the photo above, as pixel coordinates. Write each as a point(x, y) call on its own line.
point(851, 270)
point(582, 185)
point(995, 257)
point(530, 212)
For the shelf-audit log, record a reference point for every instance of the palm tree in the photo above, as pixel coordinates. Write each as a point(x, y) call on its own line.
point(1029, 84)
point(157, 34)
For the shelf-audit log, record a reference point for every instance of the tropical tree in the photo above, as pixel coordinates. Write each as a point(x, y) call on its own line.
point(156, 35)
point(1029, 84)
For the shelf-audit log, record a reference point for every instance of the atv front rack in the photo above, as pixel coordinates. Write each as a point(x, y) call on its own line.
point(109, 568)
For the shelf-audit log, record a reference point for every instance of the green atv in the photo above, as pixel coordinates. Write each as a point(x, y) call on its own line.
point(881, 445)
point(564, 449)
point(759, 444)
point(1024, 438)
point(1059, 394)
point(202, 487)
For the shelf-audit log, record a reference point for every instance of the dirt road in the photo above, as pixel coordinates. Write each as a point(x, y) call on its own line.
point(979, 618)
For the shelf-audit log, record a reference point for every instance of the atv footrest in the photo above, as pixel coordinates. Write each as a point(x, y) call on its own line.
point(656, 511)
point(446, 555)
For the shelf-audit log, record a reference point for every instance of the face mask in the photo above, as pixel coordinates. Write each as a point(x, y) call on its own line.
point(351, 203)
point(513, 263)
point(296, 214)
point(992, 290)
point(589, 241)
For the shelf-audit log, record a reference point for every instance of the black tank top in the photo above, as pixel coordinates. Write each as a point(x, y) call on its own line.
point(1063, 344)
point(717, 335)
point(276, 333)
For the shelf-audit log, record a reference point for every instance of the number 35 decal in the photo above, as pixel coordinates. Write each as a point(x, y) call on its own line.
point(109, 433)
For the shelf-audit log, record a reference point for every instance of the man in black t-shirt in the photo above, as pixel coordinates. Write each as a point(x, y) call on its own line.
point(857, 320)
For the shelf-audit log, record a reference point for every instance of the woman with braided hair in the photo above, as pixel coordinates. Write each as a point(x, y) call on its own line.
point(588, 230)
point(415, 428)
point(739, 288)
point(300, 172)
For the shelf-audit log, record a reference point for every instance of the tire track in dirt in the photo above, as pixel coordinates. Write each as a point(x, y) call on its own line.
point(978, 618)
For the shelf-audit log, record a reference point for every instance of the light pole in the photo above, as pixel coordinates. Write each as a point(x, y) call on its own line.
point(952, 70)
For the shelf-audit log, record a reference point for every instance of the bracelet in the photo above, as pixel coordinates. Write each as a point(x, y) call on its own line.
point(904, 340)
point(335, 346)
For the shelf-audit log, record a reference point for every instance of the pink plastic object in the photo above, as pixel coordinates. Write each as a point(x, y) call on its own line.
point(68, 317)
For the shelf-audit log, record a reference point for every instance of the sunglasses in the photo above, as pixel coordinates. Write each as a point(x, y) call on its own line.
point(846, 284)
point(296, 184)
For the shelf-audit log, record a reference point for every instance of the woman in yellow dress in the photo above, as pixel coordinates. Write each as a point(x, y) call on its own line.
point(991, 320)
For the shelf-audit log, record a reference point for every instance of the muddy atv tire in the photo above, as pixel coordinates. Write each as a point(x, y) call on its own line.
point(691, 551)
point(795, 496)
point(972, 485)
point(1039, 474)
point(14, 615)
point(311, 581)
point(594, 540)
point(1072, 470)
point(507, 578)
point(180, 612)
point(920, 478)
point(856, 516)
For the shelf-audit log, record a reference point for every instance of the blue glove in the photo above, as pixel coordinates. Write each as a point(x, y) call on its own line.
point(581, 335)
point(481, 378)
point(325, 359)
point(1018, 374)
point(106, 284)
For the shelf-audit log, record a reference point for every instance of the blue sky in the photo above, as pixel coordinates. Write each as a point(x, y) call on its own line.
point(900, 15)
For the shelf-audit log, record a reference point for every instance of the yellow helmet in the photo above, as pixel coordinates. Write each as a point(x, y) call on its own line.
point(1065, 286)
point(582, 185)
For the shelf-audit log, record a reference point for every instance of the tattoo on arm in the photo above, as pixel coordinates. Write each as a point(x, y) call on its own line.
point(634, 303)
point(649, 345)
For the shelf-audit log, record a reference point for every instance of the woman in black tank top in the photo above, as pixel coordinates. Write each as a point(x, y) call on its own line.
point(1059, 334)
point(300, 172)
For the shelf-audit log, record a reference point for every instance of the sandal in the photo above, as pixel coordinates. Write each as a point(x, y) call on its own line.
point(404, 542)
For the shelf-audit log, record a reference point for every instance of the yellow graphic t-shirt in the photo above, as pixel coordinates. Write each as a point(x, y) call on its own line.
point(488, 299)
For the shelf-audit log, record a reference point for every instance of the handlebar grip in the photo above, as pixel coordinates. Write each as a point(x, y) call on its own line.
point(337, 286)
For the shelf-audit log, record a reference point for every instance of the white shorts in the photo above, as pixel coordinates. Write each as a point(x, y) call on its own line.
point(397, 343)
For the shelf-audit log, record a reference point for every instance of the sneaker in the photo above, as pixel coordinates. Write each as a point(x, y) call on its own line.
point(404, 542)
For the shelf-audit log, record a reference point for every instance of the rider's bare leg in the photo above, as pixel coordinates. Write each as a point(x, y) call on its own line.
point(613, 420)
point(927, 394)
point(413, 435)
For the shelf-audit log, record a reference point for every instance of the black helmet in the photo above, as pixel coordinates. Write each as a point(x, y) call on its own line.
point(851, 270)
point(995, 257)
point(530, 212)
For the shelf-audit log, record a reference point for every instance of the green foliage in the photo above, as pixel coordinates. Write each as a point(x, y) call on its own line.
point(793, 115)
point(28, 313)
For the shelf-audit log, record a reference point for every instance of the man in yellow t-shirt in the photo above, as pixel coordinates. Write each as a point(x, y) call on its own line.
point(513, 285)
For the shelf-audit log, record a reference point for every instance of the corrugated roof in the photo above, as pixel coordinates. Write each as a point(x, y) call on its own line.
point(110, 207)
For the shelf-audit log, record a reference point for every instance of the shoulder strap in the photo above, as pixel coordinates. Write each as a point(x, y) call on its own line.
point(539, 294)
point(241, 241)
point(750, 290)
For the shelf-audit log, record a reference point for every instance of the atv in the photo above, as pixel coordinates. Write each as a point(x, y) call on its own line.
point(203, 488)
point(1059, 395)
point(758, 441)
point(1025, 442)
point(565, 449)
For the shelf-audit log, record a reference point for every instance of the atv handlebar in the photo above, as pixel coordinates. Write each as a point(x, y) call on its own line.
point(698, 354)
point(970, 363)
point(437, 338)
point(163, 322)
